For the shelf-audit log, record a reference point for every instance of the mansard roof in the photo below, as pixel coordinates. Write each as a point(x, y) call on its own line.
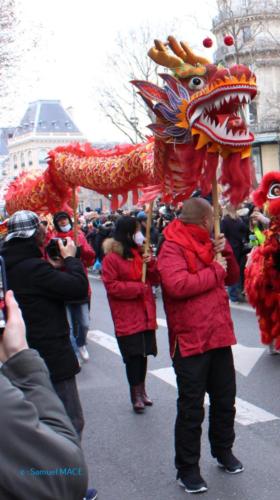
point(46, 116)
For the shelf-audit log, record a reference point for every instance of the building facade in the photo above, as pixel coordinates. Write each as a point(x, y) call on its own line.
point(44, 126)
point(255, 28)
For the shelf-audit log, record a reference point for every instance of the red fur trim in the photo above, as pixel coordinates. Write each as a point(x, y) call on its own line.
point(208, 173)
point(262, 285)
point(236, 177)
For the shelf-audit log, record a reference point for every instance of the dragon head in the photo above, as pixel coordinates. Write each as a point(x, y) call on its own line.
point(201, 99)
point(268, 194)
point(202, 106)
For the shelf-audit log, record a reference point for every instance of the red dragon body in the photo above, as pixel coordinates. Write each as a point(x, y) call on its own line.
point(199, 119)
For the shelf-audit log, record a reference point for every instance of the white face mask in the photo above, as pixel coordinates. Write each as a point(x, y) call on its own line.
point(65, 229)
point(242, 212)
point(139, 238)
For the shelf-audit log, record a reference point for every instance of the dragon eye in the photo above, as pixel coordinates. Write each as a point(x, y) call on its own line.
point(274, 191)
point(196, 83)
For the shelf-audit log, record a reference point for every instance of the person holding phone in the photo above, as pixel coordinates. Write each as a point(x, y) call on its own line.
point(38, 441)
point(41, 291)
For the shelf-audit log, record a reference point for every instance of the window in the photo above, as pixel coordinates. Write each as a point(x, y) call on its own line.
point(22, 160)
point(247, 34)
point(253, 113)
point(29, 154)
point(257, 162)
point(43, 153)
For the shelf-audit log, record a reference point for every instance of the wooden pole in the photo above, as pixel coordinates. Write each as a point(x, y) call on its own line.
point(74, 206)
point(215, 201)
point(148, 239)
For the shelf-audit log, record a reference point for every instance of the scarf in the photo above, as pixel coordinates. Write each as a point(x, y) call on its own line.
point(194, 239)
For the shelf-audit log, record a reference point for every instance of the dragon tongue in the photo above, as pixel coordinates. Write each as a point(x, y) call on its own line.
point(222, 119)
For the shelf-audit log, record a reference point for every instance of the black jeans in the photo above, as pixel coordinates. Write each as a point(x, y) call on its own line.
point(211, 372)
point(67, 391)
point(136, 369)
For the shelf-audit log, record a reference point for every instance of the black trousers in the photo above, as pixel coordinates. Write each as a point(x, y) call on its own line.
point(211, 372)
point(67, 391)
point(136, 369)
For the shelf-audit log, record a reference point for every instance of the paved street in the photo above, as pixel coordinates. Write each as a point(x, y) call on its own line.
point(130, 457)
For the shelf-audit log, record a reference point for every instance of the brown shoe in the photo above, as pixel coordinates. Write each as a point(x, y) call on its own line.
point(136, 398)
point(145, 398)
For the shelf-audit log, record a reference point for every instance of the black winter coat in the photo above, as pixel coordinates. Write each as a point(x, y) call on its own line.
point(236, 232)
point(41, 292)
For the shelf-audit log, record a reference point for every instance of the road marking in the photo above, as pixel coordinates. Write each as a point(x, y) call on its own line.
point(245, 357)
point(94, 276)
point(162, 322)
point(242, 307)
point(246, 413)
point(104, 340)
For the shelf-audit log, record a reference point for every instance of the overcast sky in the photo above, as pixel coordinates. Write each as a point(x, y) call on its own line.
point(75, 37)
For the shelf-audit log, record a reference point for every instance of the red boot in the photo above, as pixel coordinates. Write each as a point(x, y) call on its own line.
point(136, 398)
point(146, 400)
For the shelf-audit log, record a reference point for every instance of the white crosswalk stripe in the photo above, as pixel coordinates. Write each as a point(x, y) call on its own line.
point(246, 413)
point(245, 357)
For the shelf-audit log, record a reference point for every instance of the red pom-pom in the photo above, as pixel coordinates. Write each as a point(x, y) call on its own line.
point(228, 40)
point(207, 42)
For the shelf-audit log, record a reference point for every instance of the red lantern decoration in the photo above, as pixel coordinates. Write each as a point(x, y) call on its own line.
point(207, 42)
point(228, 40)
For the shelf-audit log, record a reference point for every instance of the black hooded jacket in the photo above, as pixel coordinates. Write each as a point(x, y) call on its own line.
point(41, 292)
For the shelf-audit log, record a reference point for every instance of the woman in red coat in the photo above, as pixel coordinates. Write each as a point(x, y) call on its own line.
point(132, 305)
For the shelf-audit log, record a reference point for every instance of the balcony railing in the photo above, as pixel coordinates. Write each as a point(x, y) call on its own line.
point(266, 126)
point(260, 45)
point(260, 8)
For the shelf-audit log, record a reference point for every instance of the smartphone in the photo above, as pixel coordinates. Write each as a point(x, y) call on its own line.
point(3, 290)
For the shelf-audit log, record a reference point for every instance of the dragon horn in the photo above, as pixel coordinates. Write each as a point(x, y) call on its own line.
point(184, 52)
point(160, 55)
point(191, 57)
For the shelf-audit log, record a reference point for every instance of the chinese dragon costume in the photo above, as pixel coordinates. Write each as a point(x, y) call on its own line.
point(262, 274)
point(199, 119)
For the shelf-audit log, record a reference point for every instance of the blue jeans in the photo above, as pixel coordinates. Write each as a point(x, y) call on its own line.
point(234, 292)
point(78, 315)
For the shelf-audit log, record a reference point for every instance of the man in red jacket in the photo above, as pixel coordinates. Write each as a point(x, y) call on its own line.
point(194, 271)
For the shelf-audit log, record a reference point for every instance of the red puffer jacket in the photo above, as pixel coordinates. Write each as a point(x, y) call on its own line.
point(132, 303)
point(196, 304)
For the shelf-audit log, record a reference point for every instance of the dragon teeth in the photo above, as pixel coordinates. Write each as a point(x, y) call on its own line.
point(223, 132)
point(220, 101)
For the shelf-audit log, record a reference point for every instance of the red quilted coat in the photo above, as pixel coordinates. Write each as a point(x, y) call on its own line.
point(131, 302)
point(196, 304)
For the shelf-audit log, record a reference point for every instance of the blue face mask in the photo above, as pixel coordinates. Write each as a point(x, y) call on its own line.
point(65, 229)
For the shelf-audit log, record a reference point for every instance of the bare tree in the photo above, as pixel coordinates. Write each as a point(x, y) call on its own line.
point(118, 100)
point(232, 18)
point(7, 40)
point(20, 42)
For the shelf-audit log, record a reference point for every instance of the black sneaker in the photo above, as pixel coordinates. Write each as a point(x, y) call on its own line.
point(229, 463)
point(192, 481)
